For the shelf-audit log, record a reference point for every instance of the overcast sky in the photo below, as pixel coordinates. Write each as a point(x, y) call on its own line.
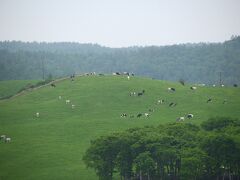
point(120, 23)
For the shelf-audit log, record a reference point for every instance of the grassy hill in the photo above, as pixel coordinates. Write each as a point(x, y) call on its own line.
point(9, 88)
point(51, 146)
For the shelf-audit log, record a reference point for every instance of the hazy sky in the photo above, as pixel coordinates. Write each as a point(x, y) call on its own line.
point(118, 23)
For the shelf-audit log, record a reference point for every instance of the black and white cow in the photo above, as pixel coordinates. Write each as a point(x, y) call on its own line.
point(189, 116)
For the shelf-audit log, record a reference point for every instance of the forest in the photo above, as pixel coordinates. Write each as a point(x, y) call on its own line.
point(170, 151)
point(198, 63)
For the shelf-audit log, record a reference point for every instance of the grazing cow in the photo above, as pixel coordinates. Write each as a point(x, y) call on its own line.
point(235, 85)
point(209, 100)
point(139, 115)
point(3, 137)
point(132, 93)
point(73, 106)
point(171, 89)
point(193, 88)
point(7, 140)
point(37, 114)
point(160, 101)
point(72, 77)
point(59, 97)
point(53, 85)
point(146, 114)
point(172, 104)
point(189, 116)
point(67, 101)
point(180, 119)
point(124, 115)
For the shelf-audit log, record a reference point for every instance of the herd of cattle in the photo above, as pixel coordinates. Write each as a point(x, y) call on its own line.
point(6, 139)
point(170, 104)
point(159, 101)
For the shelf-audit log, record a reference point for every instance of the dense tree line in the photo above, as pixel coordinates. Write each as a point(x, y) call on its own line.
point(171, 151)
point(200, 62)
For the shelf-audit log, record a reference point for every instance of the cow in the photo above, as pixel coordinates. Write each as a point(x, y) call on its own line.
point(160, 101)
point(189, 116)
point(141, 93)
point(235, 85)
point(146, 114)
point(3, 137)
point(8, 139)
point(139, 115)
point(132, 93)
point(171, 89)
point(180, 119)
point(209, 100)
point(124, 115)
point(67, 101)
point(193, 87)
point(172, 104)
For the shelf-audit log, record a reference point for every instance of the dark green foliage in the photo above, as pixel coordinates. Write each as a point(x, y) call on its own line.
point(219, 123)
point(172, 151)
point(192, 62)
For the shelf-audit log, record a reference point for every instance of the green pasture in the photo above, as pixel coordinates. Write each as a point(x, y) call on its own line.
point(9, 88)
point(52, 146)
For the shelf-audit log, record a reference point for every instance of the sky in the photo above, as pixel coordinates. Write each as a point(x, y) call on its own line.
point(120, 23)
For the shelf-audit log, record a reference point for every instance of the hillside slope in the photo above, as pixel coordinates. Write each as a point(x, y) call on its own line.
point(9, 88)
point(51, 146)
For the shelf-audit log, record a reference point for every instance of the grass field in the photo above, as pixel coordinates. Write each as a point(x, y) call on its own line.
point(51, 146)
point(9, 88)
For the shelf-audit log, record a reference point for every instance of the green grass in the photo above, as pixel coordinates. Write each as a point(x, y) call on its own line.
point(9, 88)
point(52, 146)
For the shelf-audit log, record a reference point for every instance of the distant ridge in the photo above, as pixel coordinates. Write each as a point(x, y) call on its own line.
point(198, 62)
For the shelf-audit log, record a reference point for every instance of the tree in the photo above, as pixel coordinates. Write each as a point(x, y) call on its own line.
point(144, 165)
